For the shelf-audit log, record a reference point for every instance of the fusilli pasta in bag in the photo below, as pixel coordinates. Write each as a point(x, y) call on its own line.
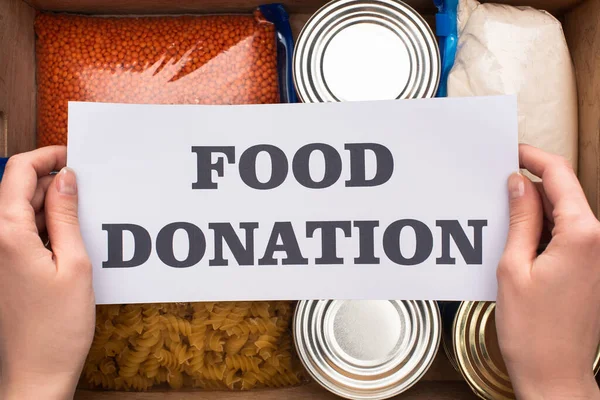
point(226, 345)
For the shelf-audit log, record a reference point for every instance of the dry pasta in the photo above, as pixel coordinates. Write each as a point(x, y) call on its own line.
point(225, 345)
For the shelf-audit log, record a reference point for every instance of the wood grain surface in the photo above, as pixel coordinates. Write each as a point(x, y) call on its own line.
point(188, 6)
point(582, 28)
point(312, 391)
point(17, 77)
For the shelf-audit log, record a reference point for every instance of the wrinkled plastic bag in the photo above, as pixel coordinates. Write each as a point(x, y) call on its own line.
point(188, 59)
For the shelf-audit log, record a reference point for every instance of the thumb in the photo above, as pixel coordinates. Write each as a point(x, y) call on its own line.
point(526, 220)
point(62, 220)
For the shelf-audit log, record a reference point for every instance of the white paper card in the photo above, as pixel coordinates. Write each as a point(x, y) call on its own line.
point(182, 203)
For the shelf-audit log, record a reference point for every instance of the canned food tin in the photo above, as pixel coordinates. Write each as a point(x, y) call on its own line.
point(365, 349)
point(366, 50)
point(478, 354)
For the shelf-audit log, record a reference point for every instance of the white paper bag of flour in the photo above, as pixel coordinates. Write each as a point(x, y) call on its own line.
point(522, 51)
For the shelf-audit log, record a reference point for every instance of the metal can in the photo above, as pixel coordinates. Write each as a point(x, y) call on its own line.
point(477, 352)
point(367, 349)
point(366, 50)
point(478, 357)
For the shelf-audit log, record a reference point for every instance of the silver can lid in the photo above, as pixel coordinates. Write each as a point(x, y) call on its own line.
point(353, 50)
point(367, 349)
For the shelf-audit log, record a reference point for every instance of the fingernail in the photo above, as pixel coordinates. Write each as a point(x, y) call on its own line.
point(516, 186)
point(66, 182)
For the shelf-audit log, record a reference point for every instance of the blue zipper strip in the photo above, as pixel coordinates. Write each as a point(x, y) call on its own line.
point(3, 162)
point(276, 14)
point(447, 32)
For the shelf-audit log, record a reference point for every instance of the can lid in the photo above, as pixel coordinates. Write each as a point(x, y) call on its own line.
point(478, 352)
point(366, 50)
point(365, 349)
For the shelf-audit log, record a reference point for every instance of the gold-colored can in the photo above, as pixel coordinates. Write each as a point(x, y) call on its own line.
point(471, 344)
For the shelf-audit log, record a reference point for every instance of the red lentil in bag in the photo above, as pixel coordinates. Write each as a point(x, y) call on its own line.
point(220, 59)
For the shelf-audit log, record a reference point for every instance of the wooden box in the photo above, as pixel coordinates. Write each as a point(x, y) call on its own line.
point(581, 22)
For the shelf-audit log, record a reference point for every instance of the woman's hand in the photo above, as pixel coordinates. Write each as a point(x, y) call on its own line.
point(548, 309)
point(46, 297)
